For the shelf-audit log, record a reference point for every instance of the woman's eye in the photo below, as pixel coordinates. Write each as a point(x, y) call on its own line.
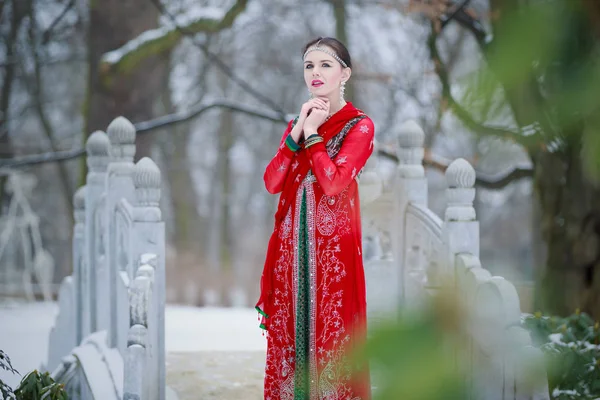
point(308, 66)
point(326, 65)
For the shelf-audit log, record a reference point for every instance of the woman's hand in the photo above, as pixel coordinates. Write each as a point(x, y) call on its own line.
point(306, 110)
point(314, 121)
point(318, 103)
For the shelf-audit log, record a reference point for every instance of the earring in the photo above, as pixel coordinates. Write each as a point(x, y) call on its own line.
point(342, 90)
point(310, 95)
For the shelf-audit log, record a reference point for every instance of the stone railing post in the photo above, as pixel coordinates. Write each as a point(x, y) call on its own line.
point(149, 248)
point(410, 186)
point(98, 148)
point(119, 185)
point(136, 380)
point(461, 228)
point(80, 269)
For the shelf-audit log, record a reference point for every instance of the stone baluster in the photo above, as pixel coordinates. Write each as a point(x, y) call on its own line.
point(80, 270)
point(136, 381)
point(410, 186)
point(461, 228)
point(119, 185)
point(98, 149)
point(149, 247)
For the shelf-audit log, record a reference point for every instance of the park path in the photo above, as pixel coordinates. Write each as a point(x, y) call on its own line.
point(212, 353)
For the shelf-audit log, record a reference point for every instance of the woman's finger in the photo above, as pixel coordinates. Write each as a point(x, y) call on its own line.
point(316, 104)
point(322, 105)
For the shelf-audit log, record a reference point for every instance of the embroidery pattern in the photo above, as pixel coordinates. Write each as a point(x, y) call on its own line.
point(286, 226)
point(334, 145)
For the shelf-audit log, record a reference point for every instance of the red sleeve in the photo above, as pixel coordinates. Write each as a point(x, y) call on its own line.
point(279, 166)
point(335, 175)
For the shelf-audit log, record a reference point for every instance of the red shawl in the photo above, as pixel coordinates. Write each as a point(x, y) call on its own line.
point(328, 130)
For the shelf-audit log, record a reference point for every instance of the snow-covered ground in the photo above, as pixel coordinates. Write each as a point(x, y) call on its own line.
point(24, 330)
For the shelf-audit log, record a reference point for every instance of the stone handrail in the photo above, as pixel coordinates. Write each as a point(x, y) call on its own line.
point(426, 248)
point(111, 310)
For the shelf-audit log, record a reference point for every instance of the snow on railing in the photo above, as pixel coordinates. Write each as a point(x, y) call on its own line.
point(426, 248)
point(110, 325)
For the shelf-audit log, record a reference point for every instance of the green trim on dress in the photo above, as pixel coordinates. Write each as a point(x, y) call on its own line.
point(301, 387)
point(261, 312)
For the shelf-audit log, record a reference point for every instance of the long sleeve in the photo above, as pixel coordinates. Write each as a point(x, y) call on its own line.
point(278, 167)
point(335, 175)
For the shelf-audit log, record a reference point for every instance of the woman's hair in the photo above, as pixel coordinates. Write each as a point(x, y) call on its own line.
point(334, 44)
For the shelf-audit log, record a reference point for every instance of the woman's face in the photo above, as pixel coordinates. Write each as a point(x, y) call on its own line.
point(323, 74)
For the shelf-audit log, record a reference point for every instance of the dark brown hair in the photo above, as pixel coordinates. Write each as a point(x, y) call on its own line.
point(334, 44)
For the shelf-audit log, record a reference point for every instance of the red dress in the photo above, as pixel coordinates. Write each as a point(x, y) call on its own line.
point(313, 300)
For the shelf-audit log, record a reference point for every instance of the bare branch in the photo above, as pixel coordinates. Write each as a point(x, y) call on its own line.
point(166, 38)
point(218, 62)
point(454, 12)
point(483, 180)
point(175, 118)
point(48, 32)
point(47, 61)
point(148, 126)
point(474, 26)
point(463, 114)
point(467, 21)
point(35, 86)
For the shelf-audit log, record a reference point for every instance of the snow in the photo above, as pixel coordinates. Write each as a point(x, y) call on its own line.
point(556, 338)
point(25, 328)
point(113, 57)
point(182, 21)
point(213, 329)
point(557, 392)
point(24, 332)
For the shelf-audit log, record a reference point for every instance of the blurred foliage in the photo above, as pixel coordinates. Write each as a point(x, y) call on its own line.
point(572, 353)
point(33, 386)
point(543, 63)
point(36, 385)
point(6, 391)
point(413, 357)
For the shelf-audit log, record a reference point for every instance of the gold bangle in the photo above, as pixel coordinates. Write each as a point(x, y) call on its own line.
point(314, 140)
point(310, 143)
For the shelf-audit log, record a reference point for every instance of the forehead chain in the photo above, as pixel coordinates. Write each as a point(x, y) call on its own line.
point(317, 47)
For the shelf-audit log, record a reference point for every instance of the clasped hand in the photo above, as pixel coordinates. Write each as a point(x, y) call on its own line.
point(313, 113)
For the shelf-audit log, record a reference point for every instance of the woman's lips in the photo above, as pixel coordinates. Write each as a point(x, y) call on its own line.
point(317, 83)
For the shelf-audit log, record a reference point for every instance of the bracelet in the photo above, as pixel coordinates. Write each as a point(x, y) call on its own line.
point(312, 143)
point(312, 140)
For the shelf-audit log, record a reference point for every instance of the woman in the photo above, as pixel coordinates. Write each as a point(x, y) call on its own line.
point(312, 299)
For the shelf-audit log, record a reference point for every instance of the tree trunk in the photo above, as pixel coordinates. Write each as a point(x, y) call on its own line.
point(570, 218)
point(225, 242)
point(36, 88)
point(19, 11)
point(188, 236)
point(112, 23)
point(339, 12)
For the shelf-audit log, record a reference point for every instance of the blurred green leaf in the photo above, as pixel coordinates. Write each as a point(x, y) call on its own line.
point(413, 357)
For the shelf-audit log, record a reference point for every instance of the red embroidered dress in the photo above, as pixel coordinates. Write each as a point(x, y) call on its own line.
point(313, 299)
